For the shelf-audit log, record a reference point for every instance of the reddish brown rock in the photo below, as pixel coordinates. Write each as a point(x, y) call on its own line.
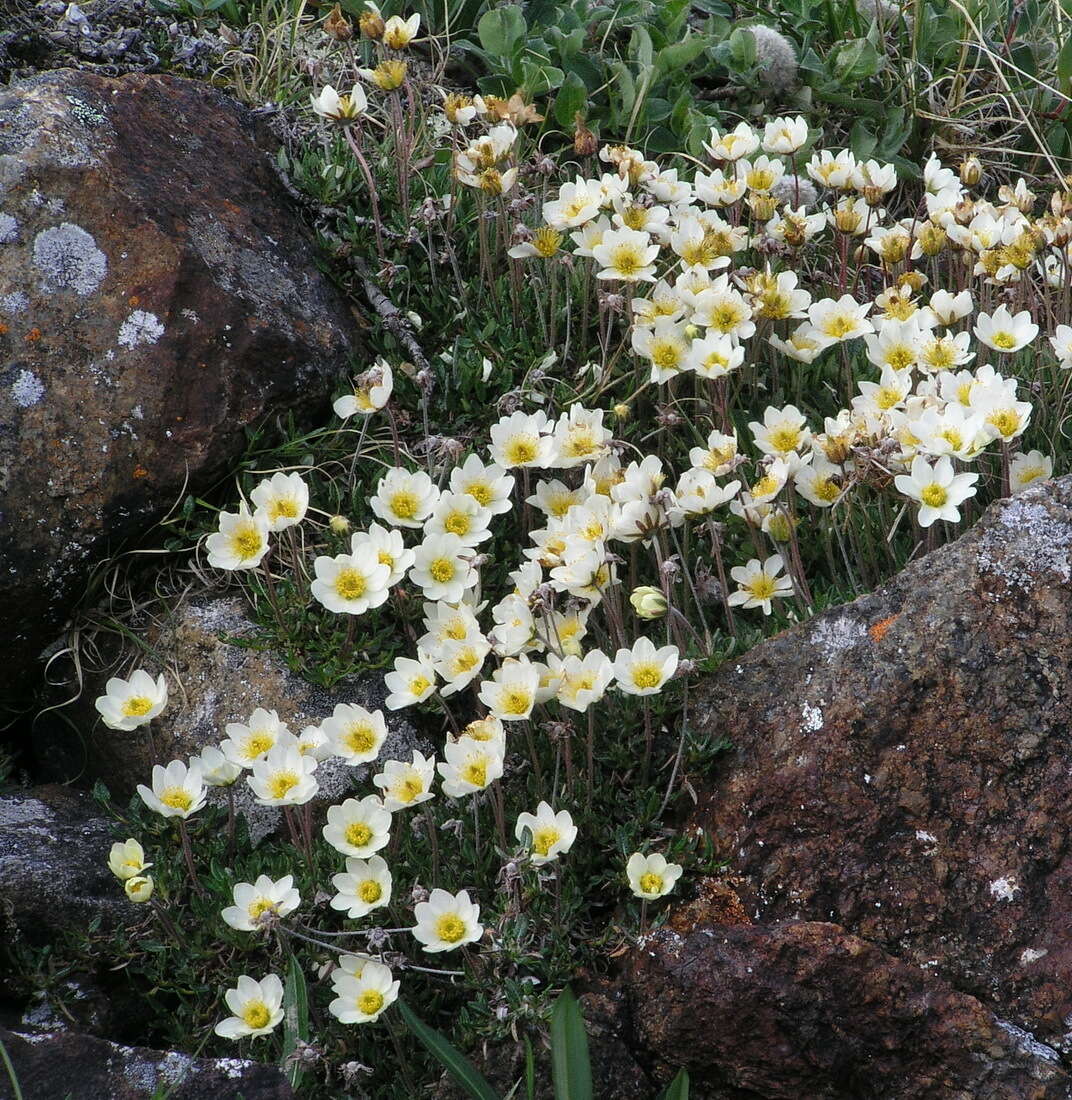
point(804, 1009)
point(157, 296)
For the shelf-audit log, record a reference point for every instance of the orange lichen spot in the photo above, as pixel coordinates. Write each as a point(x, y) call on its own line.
point(879, 630)
point(33, 335)
point(133, 300)
point(140, 471)
point(3, 329)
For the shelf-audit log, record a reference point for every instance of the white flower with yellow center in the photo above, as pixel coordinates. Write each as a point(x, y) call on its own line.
point(1005, 332)
point(544, 243)
point(127, 859)
point(284, 777)
point(626, 255)
point(760, 583)
point(888, 393)
point(833, 170)
point(351, 584)
point(250, 741)
point(522, 440)
point(590, 235)
point(445, 622)
point(411, 681)
point(404, 498)
point(785, 135)
point(580, 437)
point(127, 704)
point(139, 889)
point(698, 493)
point(469, 766)
point(953, 430)
point(556, 499)
point(177, 790)
point(511, 692)
point(447, 921)
point(549, 835)
point(442, 568)
point(761, 174)
point(281, 500)
point(241, 541)
point(354, 733)
point(372, 390)
point(581, 681)
point(896, 344)
point(937, 488)
point(514, 625)
point(462, 515)
point(358, 827)
point(364, 886)
point(399, 32)
point(487, 731)
point(939, 352)
point(644, 669)
point(783, 431)
point(344, 108)
point(840, 319)
point(1026, 469)
point(257, 904)
point(719, 454)
point(665, 345)
point(362, 998)
point(578, 202)
point(406, 784)
point(257, 1007)
point(820, 483)
point(742, 141)
point(563, 631)
point(1004, 417)
point(770, 484)
point(714, 356)
point(723, 308)
point(459, 663)
point(389, 549)
point(216, 769)
point(949, 308)
point(651, 877)
point(718, 189)
point(489, 485)
point(803, 344)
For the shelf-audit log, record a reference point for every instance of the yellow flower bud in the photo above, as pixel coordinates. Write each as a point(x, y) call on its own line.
point(971, 171)
point(648, 602)
point(340, 525)
point(621, 411)
point(139, 888)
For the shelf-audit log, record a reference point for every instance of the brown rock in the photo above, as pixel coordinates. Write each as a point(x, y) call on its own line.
point(157, 296)
point(900, 765)
point(804, 1009)
point(77, 1067)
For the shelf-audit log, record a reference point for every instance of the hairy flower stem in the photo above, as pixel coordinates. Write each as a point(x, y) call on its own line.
point(679, 756)
point(720, 567)
point(229, 850)
point(166, 921)
point(433, 842)
point(370, 183)
point(500, 814)
point(188, 856)
point(649, 741)
point(534, 756)
point(590, 750)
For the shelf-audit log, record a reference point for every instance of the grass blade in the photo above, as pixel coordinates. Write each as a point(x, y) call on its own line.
point(452, 1060)
point(295, 1021)
point(678, 1089)
point(571, 1070)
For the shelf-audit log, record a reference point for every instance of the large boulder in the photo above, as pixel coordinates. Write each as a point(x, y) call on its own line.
point(78, 1067)
point(218, 671)
point(157, 297)
point(899, 770)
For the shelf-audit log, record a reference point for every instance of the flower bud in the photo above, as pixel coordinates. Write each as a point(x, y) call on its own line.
point(648, 602)
point(340, 525)
point(584, 141)
point(971, 171)
point(139, 888)
point(621, 411)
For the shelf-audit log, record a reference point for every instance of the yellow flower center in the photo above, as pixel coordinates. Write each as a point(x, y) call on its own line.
point(651, 883)
point(666, 355)
point(647, 675)
point(450, 928)
point(257, 744)
point(626, 261)
point(476, 773)
point(1005, 421)
point(386, 558)
point(900, 357)
point(177, 798)
point(516, 701)
point(457, 523)
point(357, 834)
point(785, 439)
point(953, 437)
point(520, 451)
point(465, 660)
point(246, 542)
point(725, 317)
point(360, 737)
point(370, 1002)
point(887, 397)
point(281, 784)
point(350, 584)
point(282, 508)
point(1004, 340)
point(1030, 473)
point(762, 588)
point(404, 504)
point(940, 355)
point(261, 906)
point(480, 492)
point(838, 326)
point(137, 705)
point(543, 840)
point(370, 891)
point(546, 240)
point(825, 489)
point(409, 788)
point(442, 570)
point(256, 1015)
point(765, 487)
point(934, 496)
point(419, 685)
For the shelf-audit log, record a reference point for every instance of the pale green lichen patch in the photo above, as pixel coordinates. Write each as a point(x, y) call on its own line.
point(69, 259)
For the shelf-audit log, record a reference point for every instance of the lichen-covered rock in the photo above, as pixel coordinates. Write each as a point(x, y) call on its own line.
point(217, 674)
point(804, 1009)
point(157, 296)
point(76, 1067)
point(53, 865)
point(900, 767)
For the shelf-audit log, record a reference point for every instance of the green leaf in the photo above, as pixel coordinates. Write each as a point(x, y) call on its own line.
point(681, 53)
point(853, 61)
point(502, 30)
point(571, 1070)
point(295, 1020)
point(571, 98)
point(530, 1071)
point(1064, 66)
point(452, 1060)
point(539, 79)
point(678, 1089)
point(640, 48)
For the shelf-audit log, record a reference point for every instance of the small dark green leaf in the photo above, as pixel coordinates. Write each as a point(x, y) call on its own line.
point(571, 98)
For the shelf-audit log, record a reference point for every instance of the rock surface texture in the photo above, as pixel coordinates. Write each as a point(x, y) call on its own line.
point(157, 296)
point(67, 1066)
point(896, 813)
point(215, 676)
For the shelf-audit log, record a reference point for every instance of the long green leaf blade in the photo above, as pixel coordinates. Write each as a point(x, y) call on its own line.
point(295, 1021)
point(451, 1059)
point(571, 1070)
point(678, 1089)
